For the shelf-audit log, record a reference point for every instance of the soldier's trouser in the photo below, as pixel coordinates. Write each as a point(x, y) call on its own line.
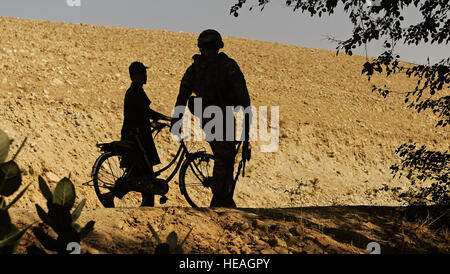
point(223, 181)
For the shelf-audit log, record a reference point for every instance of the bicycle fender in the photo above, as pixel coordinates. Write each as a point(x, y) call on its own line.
point(94, 167)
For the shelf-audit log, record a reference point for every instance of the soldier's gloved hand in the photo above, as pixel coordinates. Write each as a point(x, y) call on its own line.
point(166, 118)
point(154, 124)
point(174, 131)
point(246, 151)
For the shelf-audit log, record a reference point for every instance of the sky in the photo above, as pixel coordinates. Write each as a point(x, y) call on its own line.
point(276, 23)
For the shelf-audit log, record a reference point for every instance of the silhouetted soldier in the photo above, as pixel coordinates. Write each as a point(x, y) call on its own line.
point(218, 80)
point(136, 123)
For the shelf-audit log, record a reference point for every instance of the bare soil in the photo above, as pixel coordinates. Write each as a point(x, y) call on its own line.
point(62, 86)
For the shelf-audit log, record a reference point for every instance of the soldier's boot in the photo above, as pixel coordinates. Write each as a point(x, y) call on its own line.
point(153, 186)
point(148, 199)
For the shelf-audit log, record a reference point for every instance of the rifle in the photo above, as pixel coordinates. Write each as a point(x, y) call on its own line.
point(242, 164)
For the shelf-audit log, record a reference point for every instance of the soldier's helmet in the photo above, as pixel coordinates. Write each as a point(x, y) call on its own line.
point(210, 39)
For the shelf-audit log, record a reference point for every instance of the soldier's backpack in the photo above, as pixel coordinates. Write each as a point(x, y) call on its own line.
point(211, 82)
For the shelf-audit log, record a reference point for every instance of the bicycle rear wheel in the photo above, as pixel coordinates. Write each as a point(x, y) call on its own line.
point(195, 179)
point(106, 173)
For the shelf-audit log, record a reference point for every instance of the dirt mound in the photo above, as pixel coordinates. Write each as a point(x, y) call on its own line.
point(316, 230)
point(62, 86)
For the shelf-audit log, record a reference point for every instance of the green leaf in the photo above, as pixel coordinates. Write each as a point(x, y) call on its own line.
point(43, 215)
point(17, 197)
point(48, 242)
point(64, 194)
point(10, 178)
point(45, 190)
point(10, 241)
point(77, 212)
point(155, 235)
point(87, 229)
point(59, 218)
point(4, 146)
point(77, 227)
point(5, 223)
point(9, 244)
point(2, 203)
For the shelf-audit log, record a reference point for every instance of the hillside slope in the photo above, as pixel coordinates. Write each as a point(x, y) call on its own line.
point(62, 86)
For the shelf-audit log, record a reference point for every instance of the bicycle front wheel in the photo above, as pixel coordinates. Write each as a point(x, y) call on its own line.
point(195, 179)
point(106, 173)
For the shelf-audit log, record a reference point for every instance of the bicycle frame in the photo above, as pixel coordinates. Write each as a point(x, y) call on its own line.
point(183, 161)
point(182, 151)
point(181, 154)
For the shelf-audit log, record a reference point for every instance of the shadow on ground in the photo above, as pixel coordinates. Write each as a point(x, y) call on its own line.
point(318, 230)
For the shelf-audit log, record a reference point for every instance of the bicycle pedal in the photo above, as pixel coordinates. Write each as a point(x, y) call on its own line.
point(158, 188)
point(163, 200)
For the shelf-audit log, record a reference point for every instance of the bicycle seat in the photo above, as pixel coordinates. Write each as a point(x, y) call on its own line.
point(117, 146)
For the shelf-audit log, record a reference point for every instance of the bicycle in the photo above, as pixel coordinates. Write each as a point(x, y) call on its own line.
point(195, 176)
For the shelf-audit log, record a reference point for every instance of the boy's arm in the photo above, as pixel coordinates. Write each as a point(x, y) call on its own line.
point(154, 115)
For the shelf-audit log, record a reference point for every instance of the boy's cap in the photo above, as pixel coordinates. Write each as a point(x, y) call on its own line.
point(137, 67)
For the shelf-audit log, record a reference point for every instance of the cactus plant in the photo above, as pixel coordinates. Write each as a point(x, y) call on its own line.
point(171, 246)
point(10, 182)
point(59, 217)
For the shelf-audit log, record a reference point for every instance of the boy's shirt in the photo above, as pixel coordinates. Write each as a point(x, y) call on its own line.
point(137, 113)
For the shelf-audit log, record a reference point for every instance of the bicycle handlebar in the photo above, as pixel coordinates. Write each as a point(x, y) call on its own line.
point(160, 126)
